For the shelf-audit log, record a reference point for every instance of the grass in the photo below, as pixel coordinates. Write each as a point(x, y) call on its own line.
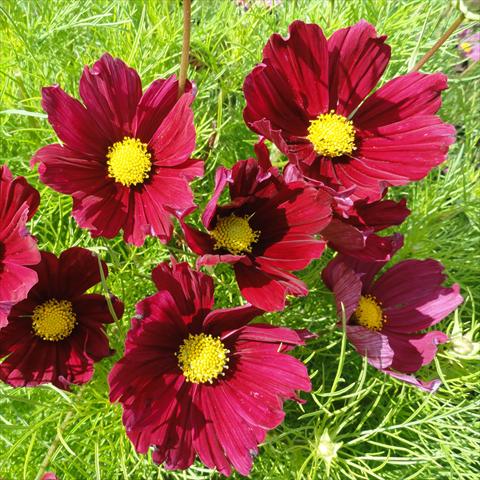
point(386, 430)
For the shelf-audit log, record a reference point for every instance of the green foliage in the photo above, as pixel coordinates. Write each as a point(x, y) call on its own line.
point(378, 428)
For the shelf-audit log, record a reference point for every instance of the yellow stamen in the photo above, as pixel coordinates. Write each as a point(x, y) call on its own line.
point(129, 162)
point(369, 313)
point(332, 135)
point(202, 358)
point(466, 47)
point(54, 320)
point(234, 234)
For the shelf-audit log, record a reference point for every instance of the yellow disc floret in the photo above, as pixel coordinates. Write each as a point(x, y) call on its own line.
point(54, 320)
point(129, 162)
point(466, 47)
point(202, 358)
point(234, 234)
point(369, 313)
point(332, 135)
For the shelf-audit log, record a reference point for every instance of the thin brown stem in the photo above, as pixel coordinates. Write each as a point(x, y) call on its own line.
point(439, 43)
point(182, 78)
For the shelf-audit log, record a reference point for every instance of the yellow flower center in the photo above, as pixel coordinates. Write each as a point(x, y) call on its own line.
point(202, 358)
point(129, 162)
point(54, 320)
point(332, 135)
point(369, 313)
point(466, 47)
point(234, 234)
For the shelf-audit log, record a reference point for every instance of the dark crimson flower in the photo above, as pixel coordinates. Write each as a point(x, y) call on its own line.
point(18, 249)
point(57, 333)
point(125, 155)
point(309, 96)
point(197, 381)
point(385, 315)
point(266, 231)
point(354, 222)
point(469, 44)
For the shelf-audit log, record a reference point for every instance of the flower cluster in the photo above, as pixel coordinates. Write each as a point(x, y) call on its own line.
point(194, 380)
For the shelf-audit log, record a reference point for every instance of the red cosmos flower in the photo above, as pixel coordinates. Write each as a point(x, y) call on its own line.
point(197, 381)
point(384, 315)
point(266, 231)
point(125, 156)
point(18, 249)
point(57, 333)
point(306, 96)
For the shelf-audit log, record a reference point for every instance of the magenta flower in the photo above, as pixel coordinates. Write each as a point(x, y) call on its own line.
point(384, 316)
point(18, 249)
point(311, 97)
point(266, 231)
point(197, 381)
point(125, 155)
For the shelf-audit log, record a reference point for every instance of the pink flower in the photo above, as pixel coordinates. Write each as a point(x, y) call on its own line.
point(18, 249)
point(266, 231)
point(125, 156)
point(197, 381)
point(385, 315)
point(310, 96)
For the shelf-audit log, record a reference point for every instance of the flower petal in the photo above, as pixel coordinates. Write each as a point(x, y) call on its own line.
point(111, 92)
point(357, 60)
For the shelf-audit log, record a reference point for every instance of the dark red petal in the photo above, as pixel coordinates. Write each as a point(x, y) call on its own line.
point(409, 282)
point(401, 98)
point(429, 387)
point(262, 332)
point(233, 434)
point(16, 194)
point(205, 439)
point(269, 96)
point(111, 91)
point(222, 176)
point(367, 269)
point(411, 319)
point(191, 290)
point(92, 309)
point(292, 252)
point(223, 320)
point(302, 58)
point(78, 270)
point(266, 287)
point(157, 101)
point(357, 60)
point(104, 212)
point(373, 345)
point(170, 188)
point(68, 171)
point(73, 124)
point(199, 242)
point(400, 152)
point(343, 237)
point(174, 140)
point(296, 210)
point(413, 351)
point(179, 453)
point(382, 214)
point(345, 285)
point(146, 216)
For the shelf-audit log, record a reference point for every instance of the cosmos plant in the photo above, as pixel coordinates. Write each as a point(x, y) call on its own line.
point(197, 381)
